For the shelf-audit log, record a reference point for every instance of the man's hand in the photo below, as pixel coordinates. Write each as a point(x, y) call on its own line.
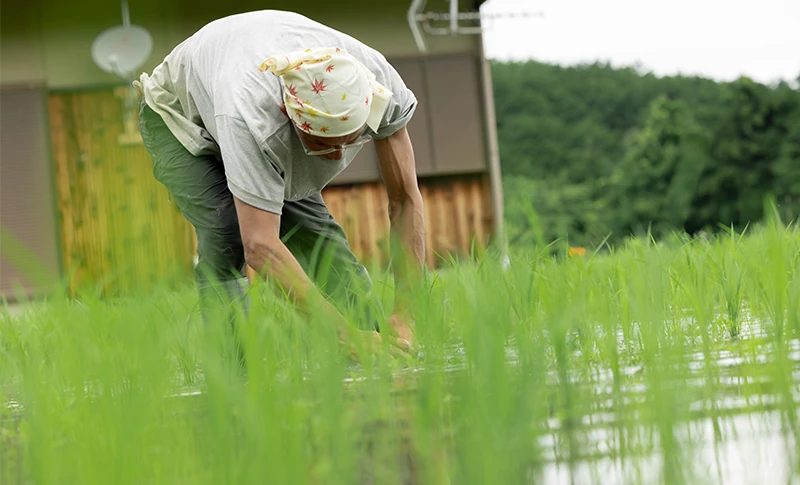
point(373, 342)
point(402, 329)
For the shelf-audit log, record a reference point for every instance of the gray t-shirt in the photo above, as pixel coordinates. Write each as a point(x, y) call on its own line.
point(212, 96)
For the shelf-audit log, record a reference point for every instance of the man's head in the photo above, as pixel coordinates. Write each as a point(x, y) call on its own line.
point(330, 97)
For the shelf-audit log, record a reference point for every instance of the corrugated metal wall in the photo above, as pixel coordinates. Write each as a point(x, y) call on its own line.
point(447, 129)
point(29, 253)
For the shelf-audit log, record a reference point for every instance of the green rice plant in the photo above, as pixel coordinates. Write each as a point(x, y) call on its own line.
point(630, 364)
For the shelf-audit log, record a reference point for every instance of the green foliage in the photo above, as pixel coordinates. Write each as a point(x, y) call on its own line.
point(785, 170)
point(634, 366)
point(540, 213)
point(654, 182)
point(599, 151)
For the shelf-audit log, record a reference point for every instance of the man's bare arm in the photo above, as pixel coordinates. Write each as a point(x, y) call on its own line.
point(267, 255)
point(398, 169)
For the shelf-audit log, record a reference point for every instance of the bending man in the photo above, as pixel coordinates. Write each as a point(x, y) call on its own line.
point(247, 121)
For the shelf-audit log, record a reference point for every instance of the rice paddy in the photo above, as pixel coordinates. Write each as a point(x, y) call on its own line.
point(654, 363)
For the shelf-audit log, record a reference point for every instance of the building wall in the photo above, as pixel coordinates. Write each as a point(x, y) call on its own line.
point(115, 224)
point(49, 41)
point(447, 129)
point(118, 227)
point(28, 241)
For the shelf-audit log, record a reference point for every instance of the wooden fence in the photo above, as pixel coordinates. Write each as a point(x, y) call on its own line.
point(457, 211)
point(119, 229)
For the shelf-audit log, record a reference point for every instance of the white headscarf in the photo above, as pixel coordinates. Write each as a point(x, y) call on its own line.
point(328, 92)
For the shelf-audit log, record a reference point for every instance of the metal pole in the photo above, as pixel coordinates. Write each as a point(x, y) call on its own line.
point(126, 16)
point(413, 11)
point(453, 17)
point(493, 151)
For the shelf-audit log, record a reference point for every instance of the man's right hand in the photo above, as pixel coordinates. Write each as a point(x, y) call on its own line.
point(372, 341)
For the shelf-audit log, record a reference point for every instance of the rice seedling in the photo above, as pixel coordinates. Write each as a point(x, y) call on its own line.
point(646, 363)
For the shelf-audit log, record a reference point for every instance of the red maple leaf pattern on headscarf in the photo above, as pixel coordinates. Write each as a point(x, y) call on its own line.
point(292, 90)
point(345, 117)
point(306, 126)
point(324, 129)
point(366, 100)
point(330, 68)
point(318, 86)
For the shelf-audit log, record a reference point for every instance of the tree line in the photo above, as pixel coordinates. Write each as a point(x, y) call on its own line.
point(592, 153)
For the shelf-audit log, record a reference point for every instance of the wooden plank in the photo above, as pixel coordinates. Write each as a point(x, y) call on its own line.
point(427, 201)
point(58, 137)
point(427, 216)
point(382, 211)
point(463, 229)
point(488, 219)
point(476, 212)
point(369, 233)
point(444, 227)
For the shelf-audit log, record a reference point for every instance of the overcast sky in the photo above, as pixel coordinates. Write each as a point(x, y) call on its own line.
point(721, 39)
